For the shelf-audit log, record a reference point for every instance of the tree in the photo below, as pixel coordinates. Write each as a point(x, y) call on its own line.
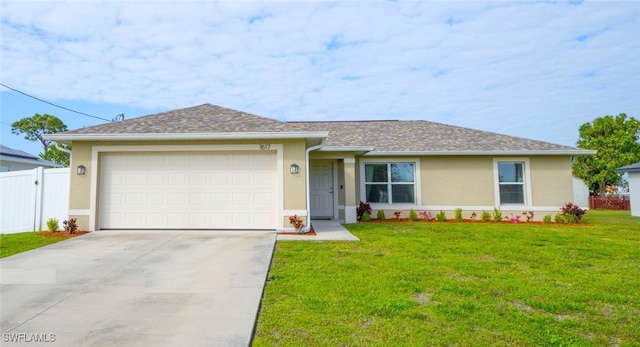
point(616, 140)
point(34, 128)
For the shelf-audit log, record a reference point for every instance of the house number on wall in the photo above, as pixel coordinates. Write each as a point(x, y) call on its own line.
point(265, 146)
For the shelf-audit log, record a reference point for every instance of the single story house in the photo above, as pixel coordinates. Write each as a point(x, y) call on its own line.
point(209, 167)
point(15, 160)
point(633, 171)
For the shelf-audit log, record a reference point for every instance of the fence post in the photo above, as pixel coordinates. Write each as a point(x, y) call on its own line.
point(39, 182)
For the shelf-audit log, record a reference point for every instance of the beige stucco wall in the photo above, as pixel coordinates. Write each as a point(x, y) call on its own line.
point(80, 195)
point(457, 181)
point(551, 180)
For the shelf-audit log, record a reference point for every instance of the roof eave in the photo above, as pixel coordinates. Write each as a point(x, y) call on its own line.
point(66, 138)
point(490, 152)
point(346, 149)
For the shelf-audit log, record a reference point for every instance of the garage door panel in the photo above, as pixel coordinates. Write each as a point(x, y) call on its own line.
point(210, 190)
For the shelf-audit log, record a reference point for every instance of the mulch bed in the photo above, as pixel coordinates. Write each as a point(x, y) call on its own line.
point(62, 233)
point(474, 221)
point(311, 232)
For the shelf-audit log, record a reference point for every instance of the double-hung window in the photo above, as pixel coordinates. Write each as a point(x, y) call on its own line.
point(511, 182)
point(390, 183)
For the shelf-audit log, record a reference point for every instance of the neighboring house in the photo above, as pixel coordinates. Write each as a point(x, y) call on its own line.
point(633, 171)
point(208, 167)
point(15, 160)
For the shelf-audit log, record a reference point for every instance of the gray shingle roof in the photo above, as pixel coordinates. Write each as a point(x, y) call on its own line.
point(8, 151)
point(201, 119)
point(422, 136)
point(630, 168)
point(383, 136)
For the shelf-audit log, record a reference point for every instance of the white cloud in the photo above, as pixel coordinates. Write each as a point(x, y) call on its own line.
point(529, 69)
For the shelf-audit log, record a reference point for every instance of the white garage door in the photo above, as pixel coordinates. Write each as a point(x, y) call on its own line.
point(188, 190)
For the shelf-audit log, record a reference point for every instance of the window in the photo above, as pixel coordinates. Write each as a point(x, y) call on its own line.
point(390, 182)
point(511, 182)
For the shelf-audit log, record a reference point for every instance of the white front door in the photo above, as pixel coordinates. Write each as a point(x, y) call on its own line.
point(321, 182)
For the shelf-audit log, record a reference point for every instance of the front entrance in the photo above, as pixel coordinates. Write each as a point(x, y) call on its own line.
point(321, 182)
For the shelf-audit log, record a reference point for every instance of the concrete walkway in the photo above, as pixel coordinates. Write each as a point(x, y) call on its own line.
point(326, 230)
point(137, 288)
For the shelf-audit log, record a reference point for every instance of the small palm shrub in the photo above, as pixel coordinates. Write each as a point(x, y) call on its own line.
point(497, 215)
point(413, 216)
point(366, 217)
point(380, 215)
point(457, 214)
point(558, 218)
point(485, 216)
point(547, 219)
point(52, 224)
point(441, 216)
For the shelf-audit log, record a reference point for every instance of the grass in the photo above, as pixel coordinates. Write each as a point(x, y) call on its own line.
point(419, 284)
point(11, 244)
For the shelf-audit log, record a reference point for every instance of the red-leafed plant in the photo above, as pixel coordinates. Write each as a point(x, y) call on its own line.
point(296, 222)
point(70, 225)
point(574, 211)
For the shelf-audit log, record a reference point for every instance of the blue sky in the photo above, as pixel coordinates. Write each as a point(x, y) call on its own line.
point(530, 69)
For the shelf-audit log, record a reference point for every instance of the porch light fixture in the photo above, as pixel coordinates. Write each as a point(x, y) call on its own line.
point(81, 170)
point(294, 169)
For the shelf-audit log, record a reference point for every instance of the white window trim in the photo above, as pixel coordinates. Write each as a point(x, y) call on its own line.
point(416, 184)
point(527, 181)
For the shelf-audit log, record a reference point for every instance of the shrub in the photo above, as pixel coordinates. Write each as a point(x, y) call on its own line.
point(380, 215)
point(558, 218)
point(426, 215)
point(363, 208)
point(397, 214)
point(473, 215)
point(413, 216)
point(441, 216)
point(547, 219)
point(457, 214)
point(52, 224)
point(485, 216)
point(497, 215)
point(70, 225)
point(529, 215)
point(366, 217)
point(576, 213)
point(296, 222)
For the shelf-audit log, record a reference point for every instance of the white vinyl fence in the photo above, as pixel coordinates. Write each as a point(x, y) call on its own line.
point(28, 198)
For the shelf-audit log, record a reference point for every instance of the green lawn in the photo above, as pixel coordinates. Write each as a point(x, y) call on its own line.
point(11, 244)
point(423, 284)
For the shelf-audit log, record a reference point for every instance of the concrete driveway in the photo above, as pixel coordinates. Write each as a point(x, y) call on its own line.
point(142, 288)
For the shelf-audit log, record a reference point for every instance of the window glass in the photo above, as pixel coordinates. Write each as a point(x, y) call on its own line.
point(510, 172)
point(402, 193)
point(377, 193)
point(402, 172)
point(376, 173)
point(511, 194)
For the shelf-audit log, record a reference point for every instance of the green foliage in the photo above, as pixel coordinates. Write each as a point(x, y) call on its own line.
point(497, 215)
point(485, 216)
point(36, 126)
point(457, 214)
point(52, 224)
point(366, 217)
point(546, 219)
point(380, 215)
point(558, 218)
point(57, 156)
point(616, 140)
point(572, 213)
point(413, 216)
point(441, 216)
